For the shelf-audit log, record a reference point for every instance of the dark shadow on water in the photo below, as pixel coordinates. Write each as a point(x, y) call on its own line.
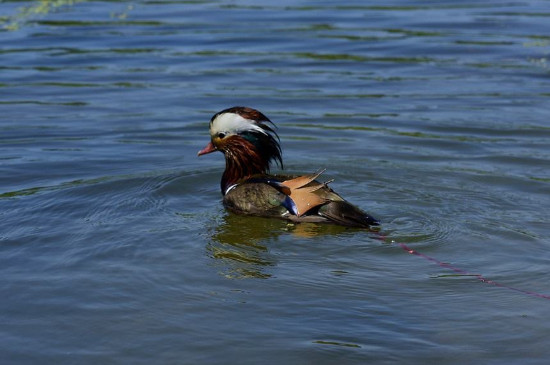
point(240, 244)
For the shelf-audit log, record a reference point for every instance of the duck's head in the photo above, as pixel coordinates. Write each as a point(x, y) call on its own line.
point(246, 137)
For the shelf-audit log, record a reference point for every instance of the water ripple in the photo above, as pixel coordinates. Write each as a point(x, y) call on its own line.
point(432, 116)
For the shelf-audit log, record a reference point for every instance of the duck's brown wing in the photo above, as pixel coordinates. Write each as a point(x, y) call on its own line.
point(346, 214)
point(260, 199)
point(311, 197)
point(300, 199)
point(307, 193)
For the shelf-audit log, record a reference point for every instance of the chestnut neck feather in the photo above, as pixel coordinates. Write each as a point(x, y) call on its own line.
point(247, 155)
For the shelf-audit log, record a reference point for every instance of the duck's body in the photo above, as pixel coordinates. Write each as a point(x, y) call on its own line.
point(249, 145)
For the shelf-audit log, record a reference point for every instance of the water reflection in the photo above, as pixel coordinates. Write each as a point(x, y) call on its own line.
point(41, 7)
point(241, 243)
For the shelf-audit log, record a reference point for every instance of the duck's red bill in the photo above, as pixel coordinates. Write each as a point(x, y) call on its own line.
point(208, 149)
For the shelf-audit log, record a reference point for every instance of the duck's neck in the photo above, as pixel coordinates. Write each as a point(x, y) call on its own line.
point(242, 161)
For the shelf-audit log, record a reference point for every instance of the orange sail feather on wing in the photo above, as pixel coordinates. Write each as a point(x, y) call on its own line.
point(303, 192)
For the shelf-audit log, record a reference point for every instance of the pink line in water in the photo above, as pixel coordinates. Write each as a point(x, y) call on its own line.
point(464, 272)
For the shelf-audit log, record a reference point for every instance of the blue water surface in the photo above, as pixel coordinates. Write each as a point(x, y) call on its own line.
point(431, 115)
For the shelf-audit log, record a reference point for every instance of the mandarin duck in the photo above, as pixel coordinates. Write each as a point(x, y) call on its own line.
point(250, 144)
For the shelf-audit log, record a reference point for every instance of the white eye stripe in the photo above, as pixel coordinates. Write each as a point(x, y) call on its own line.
point(233, 123)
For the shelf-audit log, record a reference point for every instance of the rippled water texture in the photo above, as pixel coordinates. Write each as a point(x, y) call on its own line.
point(431, 115)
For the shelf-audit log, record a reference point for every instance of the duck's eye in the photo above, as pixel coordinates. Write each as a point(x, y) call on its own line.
point(221, 135)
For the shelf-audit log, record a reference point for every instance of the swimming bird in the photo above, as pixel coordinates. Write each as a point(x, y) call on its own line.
point(250, 144)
